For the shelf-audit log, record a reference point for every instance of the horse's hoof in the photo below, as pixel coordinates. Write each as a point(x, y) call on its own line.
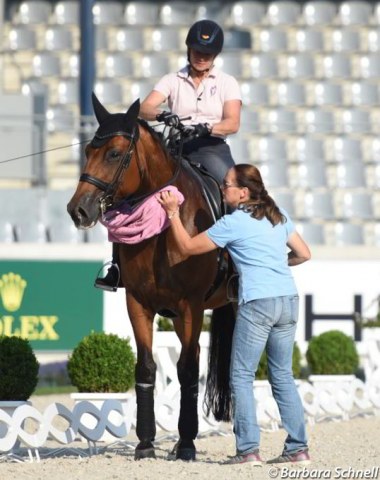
point(183, 450)
point(144, 450)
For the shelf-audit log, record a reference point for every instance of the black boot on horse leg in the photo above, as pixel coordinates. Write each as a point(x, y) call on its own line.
point(145, 421)
point(184, 449)
point(112, 281)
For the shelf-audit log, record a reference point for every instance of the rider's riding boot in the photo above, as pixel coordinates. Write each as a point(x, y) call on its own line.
point(112, 280)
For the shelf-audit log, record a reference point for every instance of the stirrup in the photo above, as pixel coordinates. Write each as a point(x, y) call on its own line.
point(101, 283)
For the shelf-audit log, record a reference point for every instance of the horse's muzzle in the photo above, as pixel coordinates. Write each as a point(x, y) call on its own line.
point(84, 211)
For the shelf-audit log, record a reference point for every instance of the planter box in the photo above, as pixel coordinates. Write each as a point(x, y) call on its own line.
point(114, 417)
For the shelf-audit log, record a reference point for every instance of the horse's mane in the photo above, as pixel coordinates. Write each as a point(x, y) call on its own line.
point(156, 135)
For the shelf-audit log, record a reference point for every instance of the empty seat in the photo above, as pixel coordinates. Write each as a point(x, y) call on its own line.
point(235, 39)
point(363, 93)
point(354, 13)
point(33, 12)
point(177, 13)
point(327, 93)
point(290, 93)
point(350, 175)
point(353, 121)
point(249, 121)
point(66, 13)
point(72, 66)
point(272, 40)
point(343, 149)
point(347, 234)
point(270, 148)
point(68, 91)
point(318, 12)
point(6, 231)
point(128, 39)
point(357, 205)
point(141, 13)
point(28, 230)
point(299, 65)
point(46, 64)
point(58, 38)
point(247, 13)
point(230, 62)
point(107, 13)
point(285, 200)
point(275, 174)
point(279, 120)
point(154, 65)
point(335, 65)
point(369, 66)
point(240, 149)
point(109, 91)
point(164, 39)
point(212, 9)
point(306, 40)
point(312, 233)
point(254, 93)
point(318, 205)
point(140, 89)
point(283, 13)
point(311, 174)
point(316, 120)
point(308, 149)
point(63, 230)
point(59, 119)
point(21, 37)
point(372, 37)
point(118, 65)
point(263, 65)
point(101, 38)
point(345, 40)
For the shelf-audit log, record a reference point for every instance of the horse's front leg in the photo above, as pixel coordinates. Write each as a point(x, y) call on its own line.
point(145, 377)
point(188, 329)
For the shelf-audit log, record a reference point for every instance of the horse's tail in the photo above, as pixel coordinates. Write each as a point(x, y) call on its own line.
point(218, 394)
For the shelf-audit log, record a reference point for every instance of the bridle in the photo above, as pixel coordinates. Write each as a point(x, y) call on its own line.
point(107, 199)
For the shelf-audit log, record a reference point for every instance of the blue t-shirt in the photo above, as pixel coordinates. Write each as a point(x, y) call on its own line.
point(259, 252)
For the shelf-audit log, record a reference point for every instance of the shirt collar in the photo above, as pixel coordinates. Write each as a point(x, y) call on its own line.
point(184, 72)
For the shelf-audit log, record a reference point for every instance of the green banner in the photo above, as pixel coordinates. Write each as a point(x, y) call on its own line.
point(51, 303)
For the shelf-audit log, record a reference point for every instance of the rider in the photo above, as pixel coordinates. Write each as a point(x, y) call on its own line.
point(207, 98)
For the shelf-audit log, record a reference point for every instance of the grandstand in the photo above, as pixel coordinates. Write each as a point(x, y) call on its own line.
point(309, 74)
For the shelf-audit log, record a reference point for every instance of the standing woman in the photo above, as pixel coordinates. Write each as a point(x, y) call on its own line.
point(263, 244)
point(209, 98)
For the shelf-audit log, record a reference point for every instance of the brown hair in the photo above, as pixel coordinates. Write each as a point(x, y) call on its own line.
point(260, 204)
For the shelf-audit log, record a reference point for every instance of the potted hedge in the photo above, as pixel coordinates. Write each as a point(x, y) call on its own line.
point(18, 374)
point(102, 367)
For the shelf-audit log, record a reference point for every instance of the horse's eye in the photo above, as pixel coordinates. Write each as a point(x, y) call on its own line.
point(113, 155)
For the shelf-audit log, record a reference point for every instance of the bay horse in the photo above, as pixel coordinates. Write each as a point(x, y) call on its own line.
point(127, 159)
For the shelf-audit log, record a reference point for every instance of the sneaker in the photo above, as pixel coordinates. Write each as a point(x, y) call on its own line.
point(253, 458)
point(111, 281)
point(299, 458)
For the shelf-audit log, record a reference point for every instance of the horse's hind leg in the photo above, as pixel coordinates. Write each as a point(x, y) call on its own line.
point(145, 376)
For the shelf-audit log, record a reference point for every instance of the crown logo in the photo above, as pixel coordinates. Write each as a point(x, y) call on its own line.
point(12, 288)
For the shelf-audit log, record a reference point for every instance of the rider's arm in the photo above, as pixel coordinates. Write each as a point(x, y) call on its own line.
point(299, 251)
point(230, 122)
point(149, 108)
point(187, 245)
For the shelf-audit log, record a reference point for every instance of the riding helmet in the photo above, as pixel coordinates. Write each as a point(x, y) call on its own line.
point(205, 36)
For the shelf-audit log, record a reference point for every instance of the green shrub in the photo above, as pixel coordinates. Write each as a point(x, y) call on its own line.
point(332, 353)
point(262, 370)
point(166, 324)
point(102, 363)
point(18, 369)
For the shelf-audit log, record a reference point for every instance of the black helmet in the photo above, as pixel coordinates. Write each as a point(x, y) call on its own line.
point(205, 36)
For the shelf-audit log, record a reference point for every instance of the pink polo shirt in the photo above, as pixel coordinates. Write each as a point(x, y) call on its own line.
point(203, 104)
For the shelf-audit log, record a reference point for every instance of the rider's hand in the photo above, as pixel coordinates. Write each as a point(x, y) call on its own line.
point(168, 118)
point(202, 130)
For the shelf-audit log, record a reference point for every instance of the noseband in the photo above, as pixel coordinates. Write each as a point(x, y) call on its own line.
point(109, 189)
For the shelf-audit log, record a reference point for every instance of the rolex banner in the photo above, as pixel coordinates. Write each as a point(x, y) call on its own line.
point(53, 304)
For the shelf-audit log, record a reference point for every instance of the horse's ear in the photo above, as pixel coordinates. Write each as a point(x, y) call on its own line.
point(101, 113)
point(133, 112)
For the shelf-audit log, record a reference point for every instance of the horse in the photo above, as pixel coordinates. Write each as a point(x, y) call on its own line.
point(128, 161)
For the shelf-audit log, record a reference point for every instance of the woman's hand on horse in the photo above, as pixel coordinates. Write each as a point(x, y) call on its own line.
point(169, 202)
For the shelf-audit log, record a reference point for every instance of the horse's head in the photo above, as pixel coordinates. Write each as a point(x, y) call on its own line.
point(108, 156)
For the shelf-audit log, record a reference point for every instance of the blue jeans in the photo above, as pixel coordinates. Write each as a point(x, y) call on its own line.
point(266, 323)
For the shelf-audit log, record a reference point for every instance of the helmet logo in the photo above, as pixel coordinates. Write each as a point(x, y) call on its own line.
point(205, 37)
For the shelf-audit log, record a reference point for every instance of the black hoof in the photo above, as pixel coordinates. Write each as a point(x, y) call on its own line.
point(183, 450)
point(144, 450)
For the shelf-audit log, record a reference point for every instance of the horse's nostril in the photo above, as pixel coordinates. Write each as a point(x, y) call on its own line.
point(82, 212)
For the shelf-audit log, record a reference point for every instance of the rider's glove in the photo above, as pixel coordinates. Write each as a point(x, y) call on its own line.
point(168, 118)
point(202, 130)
